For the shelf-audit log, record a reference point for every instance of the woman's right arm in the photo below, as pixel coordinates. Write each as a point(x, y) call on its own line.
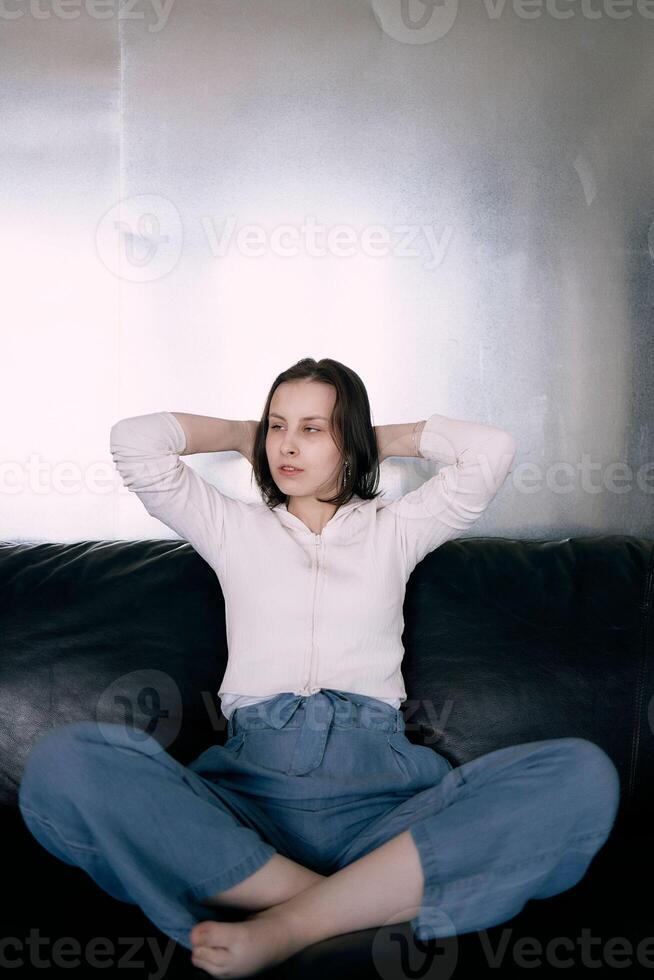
point(147, 449)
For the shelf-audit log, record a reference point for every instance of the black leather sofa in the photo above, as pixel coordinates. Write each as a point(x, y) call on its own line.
point(507, 641)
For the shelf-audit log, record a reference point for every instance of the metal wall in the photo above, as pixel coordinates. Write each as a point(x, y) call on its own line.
point(454, 200)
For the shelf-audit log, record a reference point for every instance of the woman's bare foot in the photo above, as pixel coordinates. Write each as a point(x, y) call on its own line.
point(243, 949)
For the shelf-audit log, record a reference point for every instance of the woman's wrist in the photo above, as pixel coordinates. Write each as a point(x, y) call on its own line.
point(248, 432)
point(399, 440)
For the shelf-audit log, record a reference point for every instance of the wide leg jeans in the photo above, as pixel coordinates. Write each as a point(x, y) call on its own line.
point(321, 779)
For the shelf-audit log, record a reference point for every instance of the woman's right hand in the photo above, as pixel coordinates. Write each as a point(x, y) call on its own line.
point(249, 432)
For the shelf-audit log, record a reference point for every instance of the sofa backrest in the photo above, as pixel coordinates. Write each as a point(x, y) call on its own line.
point(506, 641)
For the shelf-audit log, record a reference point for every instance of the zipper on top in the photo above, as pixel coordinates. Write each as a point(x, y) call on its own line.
point(307, 686)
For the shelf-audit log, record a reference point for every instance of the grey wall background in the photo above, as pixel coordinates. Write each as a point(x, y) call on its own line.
point(489, 164)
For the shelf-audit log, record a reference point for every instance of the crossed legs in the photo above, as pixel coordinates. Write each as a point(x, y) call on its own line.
point(277, 881)
point(381, 888)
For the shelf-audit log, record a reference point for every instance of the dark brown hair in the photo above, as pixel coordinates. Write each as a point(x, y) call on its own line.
point(351, 428)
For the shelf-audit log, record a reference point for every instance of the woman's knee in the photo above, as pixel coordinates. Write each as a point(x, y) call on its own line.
point(595, 773)
point(54, 744)
point(56, 760)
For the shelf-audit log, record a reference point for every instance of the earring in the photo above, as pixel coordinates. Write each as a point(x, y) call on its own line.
point(347, 469)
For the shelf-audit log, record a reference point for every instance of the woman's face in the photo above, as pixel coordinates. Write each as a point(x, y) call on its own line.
point(300, 434)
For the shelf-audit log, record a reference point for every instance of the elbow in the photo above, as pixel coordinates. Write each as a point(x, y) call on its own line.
point(506, 443)
point(509, 449)
point(504, 449)
point(502, 442)
point(511, 444)
point(508, 456)
point(117, 435)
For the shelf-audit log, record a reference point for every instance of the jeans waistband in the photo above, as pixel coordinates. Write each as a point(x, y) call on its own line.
point(318, 712)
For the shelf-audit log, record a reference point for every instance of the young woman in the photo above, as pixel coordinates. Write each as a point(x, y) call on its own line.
point(317, 816)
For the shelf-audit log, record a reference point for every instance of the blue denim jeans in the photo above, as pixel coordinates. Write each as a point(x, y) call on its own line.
point(321, 779)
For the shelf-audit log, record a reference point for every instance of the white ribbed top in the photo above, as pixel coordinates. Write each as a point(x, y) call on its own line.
point(306, 611)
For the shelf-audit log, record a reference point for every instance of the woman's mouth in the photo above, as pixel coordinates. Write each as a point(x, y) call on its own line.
point(290, 471)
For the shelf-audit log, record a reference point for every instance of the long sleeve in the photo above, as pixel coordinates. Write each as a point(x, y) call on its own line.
point(478, 458)
point(146, 451)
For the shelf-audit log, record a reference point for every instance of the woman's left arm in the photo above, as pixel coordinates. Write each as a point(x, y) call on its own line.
point(477, 459)
point(399, 440)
